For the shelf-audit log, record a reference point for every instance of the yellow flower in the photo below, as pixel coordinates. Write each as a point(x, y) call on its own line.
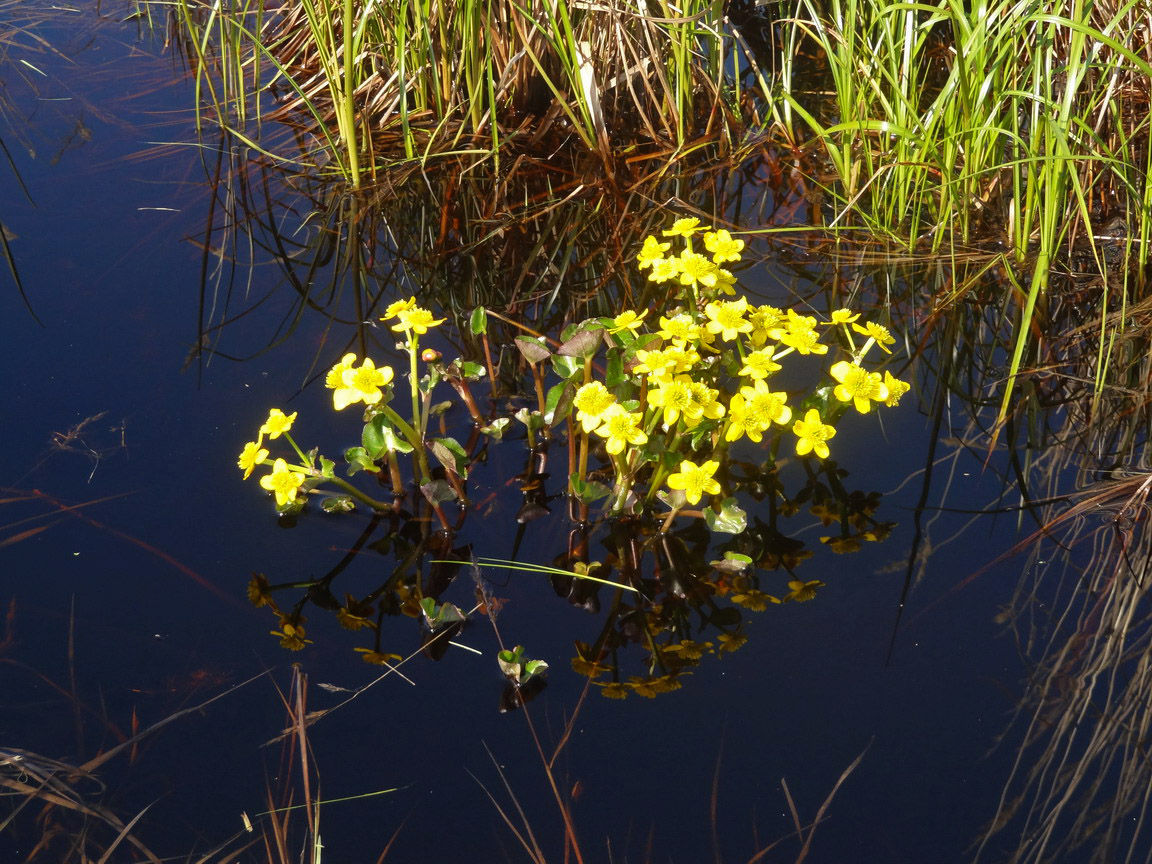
point(683, 227)
point(620, 428)
point(627, 320)
point(695, 269)
point(722, 246)
point(680, 329)
point(252, 456)
point(361, 385)
point(726, 317)
point(742, 422)
point(844, 316)
point(653, 250)
point(334, 377)
point(896, 389)
point(282, 482)
point(704, 404)
point(277, 424)
point(415, 320)
point(675, 396)
point(766, 407)
point(664, 269)
point(764, 319)
point(759, 364)
point(799, 332)
point(878, 333)
point(591, 401)
point(812, 434)
point(858, 385)
point(725, 281)
point(695, 480)
point(396, 308)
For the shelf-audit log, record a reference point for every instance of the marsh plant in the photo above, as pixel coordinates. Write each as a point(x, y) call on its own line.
point(657, 419)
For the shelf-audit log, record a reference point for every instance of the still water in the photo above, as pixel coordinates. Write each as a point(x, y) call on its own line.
point(132, 607)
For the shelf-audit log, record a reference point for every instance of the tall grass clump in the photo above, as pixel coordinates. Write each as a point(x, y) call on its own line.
point(382, 81)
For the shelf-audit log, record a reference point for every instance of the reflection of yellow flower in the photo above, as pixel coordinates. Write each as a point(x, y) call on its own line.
point(683, 227)
point(627, 320)
point(858, 385)
point(875, 331)
point(277, 423)
point(252, 456)
point(813, 434)
point(695, 480)
point(361, 385)
point(416, 320)
point(652, 251)
point(282, 482)
point(722, 246)
point(802, 592)
point(591, 401)
point(896, 389)
point(620, 428)
point(613, 690)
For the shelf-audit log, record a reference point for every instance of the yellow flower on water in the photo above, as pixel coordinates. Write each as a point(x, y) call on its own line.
point(591, 401)
point(282, 482)
point(858, 385)
point(664, 269)
point(844, 316)
point(726, 317)
point(695, 480)
point(334, 378)
point(722, 246)
point(683, 227)
point(813, 435)
point(695, 269)
point(653, 250)
point(675, 396)
point(620, 428)
point(396, 308)
point(415, 320)
point(759, 364)
point(627, 320)
point(252, 456)
point(896, 389)
point(277, 424)
point(877, 332)
point(361, 384)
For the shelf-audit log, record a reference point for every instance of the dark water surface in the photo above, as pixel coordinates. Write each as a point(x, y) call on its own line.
point(151, 583)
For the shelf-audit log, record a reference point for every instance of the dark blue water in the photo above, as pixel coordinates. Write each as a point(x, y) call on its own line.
point(149, 584)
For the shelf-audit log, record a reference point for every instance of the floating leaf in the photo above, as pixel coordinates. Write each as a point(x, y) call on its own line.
point(730, 520)
point(338, 504)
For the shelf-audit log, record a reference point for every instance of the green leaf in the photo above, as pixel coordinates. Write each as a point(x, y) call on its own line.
point(614, 374)
point(566, 366)
point(533, 668)
point(450, 454)
point(730, 520)
point(327, 467)
point(470, 371)
point(583, 344)
point(358, 460)
point(532, 419)
point(533, 349)
point(478, 322)
point(338, 504)
point(588, 491)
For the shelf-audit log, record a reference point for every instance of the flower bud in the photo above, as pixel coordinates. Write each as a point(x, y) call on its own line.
point(430, 355)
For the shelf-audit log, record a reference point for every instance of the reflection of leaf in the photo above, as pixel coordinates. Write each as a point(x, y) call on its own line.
point(438, 491)
point(730, 520)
